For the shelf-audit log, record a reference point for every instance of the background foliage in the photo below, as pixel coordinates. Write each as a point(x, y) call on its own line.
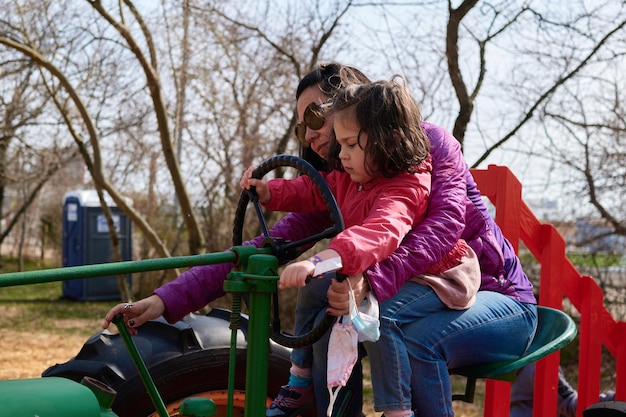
point(167, 102)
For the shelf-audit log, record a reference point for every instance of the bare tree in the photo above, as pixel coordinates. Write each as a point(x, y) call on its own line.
point(182, 96)
point(150, 68)
point(526, 78)
point(19, 106)
point(93, 159)
point(592, 143)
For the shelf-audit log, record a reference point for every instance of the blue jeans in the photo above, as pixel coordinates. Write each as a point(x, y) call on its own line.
point(310, 309)
point(312, 302)
point(421, 339)
point(495, 328)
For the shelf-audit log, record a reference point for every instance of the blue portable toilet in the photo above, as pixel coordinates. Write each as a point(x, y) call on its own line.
point(86, 242)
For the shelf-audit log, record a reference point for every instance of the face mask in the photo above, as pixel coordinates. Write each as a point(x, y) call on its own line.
point(365, 318)
point(342, 355)
point(360, 325)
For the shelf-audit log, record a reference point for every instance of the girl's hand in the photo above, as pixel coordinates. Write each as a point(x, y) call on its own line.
point(136, 314)
point(294, 275)
point(260, 184)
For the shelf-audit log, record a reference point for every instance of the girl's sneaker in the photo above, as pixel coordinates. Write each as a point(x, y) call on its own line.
point(291, 401)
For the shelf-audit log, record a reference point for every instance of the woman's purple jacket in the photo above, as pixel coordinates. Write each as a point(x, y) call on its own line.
point(455, 210)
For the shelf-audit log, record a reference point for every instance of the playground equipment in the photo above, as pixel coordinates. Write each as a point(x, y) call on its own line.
point(174, 362)
point(555, 330)
point(182, 358)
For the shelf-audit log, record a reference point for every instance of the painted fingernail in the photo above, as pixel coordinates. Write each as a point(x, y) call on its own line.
point(131, 323)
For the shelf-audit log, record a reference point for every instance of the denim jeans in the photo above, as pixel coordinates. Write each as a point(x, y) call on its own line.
point(310, 309)
point(312, 302)
point(421, 339)
point(495, 328)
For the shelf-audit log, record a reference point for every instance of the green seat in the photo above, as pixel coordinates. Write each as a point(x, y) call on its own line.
point(555, 329)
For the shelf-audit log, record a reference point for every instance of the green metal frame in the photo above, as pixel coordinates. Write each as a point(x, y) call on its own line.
point(255, 273)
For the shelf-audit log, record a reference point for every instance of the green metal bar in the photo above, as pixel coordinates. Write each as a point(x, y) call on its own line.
point(118, 320)
point(114, 268)
point(232, 358)
point(259, 280)
point(263, 280)
point(257, 354)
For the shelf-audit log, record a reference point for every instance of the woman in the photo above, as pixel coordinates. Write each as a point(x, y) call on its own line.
point(451, 215)
point(500, 324)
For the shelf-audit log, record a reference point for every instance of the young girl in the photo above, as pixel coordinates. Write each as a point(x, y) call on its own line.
point(381, 180)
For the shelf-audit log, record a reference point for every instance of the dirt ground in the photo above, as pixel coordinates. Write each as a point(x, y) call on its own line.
point(26, 355)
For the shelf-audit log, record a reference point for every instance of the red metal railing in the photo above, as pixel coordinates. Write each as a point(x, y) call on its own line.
point(558, 279)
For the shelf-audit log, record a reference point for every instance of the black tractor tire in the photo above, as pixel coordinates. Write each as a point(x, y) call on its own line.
point(188, 358)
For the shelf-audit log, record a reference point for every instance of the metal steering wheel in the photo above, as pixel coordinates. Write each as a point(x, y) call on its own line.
point(285, 250)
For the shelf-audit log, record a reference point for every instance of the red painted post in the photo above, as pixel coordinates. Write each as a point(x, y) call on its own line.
point(550, 295)
point(497, 398)
point(505, 192)
point(619, 330)
point(591, 335)
point(508, 203)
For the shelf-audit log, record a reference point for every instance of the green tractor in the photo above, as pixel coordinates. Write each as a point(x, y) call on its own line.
point(223, 363)
point(222, 359)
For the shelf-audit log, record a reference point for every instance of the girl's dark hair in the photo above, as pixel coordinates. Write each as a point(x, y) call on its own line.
point(388, 114)
point(328, 78)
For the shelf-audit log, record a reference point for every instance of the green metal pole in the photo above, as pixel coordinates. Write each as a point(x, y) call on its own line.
point(259, 279)
point(235, 318)
point(114, 268)
point(147, 380)
point(264, 283)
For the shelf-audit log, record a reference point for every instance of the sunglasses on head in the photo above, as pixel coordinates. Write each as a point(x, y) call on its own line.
point(313, 119)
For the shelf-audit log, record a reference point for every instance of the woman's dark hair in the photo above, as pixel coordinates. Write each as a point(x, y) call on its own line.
point(388, 114)
point(328, 78)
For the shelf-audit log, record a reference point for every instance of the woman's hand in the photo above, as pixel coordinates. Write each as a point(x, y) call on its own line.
point(260, 185)
point(136, 314)
point(339, 294)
